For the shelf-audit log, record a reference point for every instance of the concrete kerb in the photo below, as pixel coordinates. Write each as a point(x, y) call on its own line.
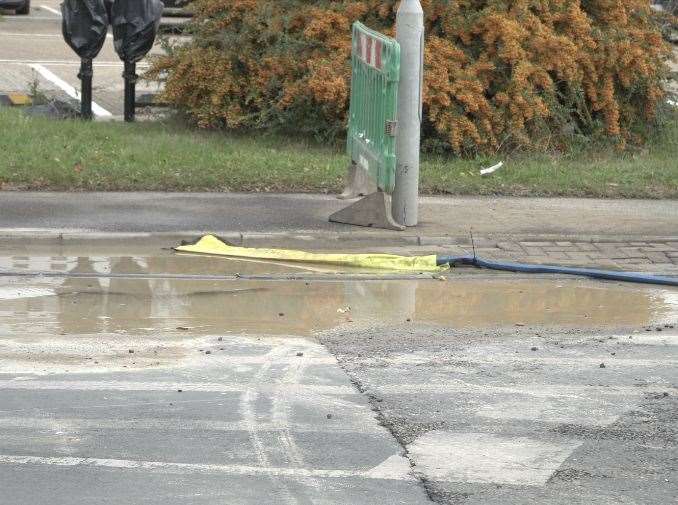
point(310, 239)
point(493, 239)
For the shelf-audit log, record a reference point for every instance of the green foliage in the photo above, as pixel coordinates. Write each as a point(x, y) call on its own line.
point(500, 74)
point(169, 156)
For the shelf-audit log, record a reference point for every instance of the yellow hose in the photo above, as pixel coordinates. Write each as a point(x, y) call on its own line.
point(209, 244)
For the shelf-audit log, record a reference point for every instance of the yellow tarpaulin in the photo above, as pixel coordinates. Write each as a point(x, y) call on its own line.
point(210, 244)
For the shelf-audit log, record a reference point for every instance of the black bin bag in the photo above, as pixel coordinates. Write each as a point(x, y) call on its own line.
point(84, 26)
point(135, 24)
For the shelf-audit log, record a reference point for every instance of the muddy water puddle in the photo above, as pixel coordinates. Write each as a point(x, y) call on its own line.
point(167, 263)
point(168, 306)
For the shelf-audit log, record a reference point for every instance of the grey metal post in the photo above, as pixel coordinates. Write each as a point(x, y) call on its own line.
point(410, 35)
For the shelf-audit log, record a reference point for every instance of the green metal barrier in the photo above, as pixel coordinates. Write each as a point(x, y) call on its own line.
point(374, 104)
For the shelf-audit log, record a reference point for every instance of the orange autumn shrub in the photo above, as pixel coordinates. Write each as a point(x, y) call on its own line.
point(499, 73)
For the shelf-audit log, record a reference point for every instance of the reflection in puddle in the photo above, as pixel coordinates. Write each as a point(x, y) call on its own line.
point(150, 306)
point(169, 263)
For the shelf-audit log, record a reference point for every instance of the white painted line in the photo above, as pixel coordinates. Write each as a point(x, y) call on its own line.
point(16, 293)
point(50, 9)
point(509, 359)
point(378, 472)
point(593, 411)
point(538, 391)
point(660, 339)
point(351, 422)
point(31, 35)
point(68, 89)
point(59, 345)
point(171, 387)
point(480, 457)
point(30, 18)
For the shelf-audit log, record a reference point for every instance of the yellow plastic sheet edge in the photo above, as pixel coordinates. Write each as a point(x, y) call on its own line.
point(209, 244)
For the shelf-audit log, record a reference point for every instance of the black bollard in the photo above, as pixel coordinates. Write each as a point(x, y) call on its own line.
point(130, 76)
point(85, 77)
point(84, 26)
point(135, 25)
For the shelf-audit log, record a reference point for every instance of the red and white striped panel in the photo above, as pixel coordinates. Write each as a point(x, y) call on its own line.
point(369, 50)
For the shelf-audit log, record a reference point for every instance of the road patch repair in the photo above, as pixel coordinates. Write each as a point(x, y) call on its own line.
point(174, 378)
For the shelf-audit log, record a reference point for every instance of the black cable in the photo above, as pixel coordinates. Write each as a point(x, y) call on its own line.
point(527, 268)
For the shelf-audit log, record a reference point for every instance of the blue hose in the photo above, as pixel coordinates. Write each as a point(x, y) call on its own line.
point(527, 268)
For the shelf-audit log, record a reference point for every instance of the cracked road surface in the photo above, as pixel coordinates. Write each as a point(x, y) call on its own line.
point(526, 416)
point(124, 378)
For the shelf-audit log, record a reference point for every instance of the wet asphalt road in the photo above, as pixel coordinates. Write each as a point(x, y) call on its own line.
point(161, 391)
point(121, 389)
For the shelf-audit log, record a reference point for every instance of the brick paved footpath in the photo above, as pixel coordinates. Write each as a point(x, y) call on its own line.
point(660, 256)
point(635, 255)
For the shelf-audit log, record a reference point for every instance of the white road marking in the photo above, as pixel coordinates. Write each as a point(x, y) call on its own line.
point(50, 9)
point(538, 391)
point(31, 18)
point(31, 35)
point(659, 339)
point(54, 346)
point(68, 89)
point(169, 387)
point(480, 457)
point(594, 411)
point(349, 424)
point(109, 406)
point(16, 293)
point(192, 468)
point(495, 358)
point(391, 468)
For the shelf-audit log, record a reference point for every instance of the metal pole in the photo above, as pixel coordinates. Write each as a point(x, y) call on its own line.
point(410, 35)
point(85, 77)
point(130, 76)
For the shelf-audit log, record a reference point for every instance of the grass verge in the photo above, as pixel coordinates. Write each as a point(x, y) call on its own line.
point(42, 154)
